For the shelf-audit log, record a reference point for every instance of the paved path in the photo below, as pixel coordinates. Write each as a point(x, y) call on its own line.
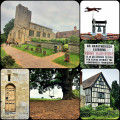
point(27, 60)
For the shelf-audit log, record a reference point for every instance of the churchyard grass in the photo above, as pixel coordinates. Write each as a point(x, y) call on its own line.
point(74, 61)
point(48, 51)
point(44, 99)
point(3, 54)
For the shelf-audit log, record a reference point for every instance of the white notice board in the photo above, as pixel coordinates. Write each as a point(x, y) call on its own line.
point(99, 54)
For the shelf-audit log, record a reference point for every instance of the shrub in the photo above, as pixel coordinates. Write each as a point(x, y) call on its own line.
point(7, 61)
point(39, 45)
point(65, 47)
point(76, 93)
point(102, 107)
point(86, 111)
point(74, 39)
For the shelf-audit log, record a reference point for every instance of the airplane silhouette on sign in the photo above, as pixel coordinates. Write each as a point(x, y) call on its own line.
point(92, 9)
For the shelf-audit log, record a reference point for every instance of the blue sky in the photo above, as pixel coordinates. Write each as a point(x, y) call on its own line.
point(58, 15)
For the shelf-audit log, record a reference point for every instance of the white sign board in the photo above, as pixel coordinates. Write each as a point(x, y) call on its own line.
point(99, 54)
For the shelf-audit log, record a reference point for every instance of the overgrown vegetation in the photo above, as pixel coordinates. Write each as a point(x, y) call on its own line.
point(7, 61)
point(101, 111)
point(72, 39)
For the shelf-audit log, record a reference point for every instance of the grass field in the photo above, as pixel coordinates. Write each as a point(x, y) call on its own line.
point(74, 61)
point(3, 54)
point(98, 118)
point(43, 99)
point(48, 51)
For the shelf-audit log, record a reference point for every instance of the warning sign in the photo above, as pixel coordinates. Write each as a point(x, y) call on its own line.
point(99, 54)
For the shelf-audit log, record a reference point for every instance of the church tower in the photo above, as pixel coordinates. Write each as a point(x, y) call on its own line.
point(22, 17)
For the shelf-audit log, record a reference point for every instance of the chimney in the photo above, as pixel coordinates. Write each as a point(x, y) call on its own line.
point(75, 28)
point(57, 34)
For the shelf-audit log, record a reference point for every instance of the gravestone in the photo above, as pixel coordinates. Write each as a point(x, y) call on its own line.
point(27, 47)
point(44, 52)
point(37, 50)
point(40, 50)
point(67, 57)
point(31, 49)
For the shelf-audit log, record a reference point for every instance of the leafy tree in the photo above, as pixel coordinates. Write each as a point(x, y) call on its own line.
point(44, 79)
point(8, 27)
point(115, 95)
point(73, 39)
point(116, 53)
point(3, 38)
point(76, 93)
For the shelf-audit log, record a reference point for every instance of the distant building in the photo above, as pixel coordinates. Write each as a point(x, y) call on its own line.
point(97, 90)
point(66, 34)
point(24, 29)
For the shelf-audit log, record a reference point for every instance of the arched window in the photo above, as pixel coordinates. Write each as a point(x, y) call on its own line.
point(10, 98)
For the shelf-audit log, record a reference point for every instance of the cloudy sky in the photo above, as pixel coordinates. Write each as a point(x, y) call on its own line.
point(109, 12)
point(58, 15)
point(57, 93)
point(109, 74)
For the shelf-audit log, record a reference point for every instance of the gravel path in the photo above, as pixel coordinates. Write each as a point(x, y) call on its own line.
point(27, 60)
point(59, 109)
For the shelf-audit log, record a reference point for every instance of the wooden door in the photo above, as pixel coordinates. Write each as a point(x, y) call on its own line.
point(10, 98)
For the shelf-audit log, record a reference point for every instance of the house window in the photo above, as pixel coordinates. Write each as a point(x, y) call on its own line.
point(38, 34)
point(101, 82)
point(44, 34)
point(100, 95)
point(31, 33)
point(48, 35)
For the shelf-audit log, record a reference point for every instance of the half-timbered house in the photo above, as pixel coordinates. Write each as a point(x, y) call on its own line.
point(97, 90)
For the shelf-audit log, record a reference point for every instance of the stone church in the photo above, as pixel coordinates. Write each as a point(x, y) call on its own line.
point(14, 94)
point(24, 29)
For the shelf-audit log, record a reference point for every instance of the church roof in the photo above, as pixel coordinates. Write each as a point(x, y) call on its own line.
point(90, 81)
point(66, 34)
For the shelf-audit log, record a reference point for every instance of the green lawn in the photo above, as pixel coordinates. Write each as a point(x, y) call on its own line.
point(48, 51)
point(3, 54)
point(43, 99)
point(98, 118)
point(74, 61)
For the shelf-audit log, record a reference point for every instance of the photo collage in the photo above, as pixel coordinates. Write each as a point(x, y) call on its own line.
point(59, 60)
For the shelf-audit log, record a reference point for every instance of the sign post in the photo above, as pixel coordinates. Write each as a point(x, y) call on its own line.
point(99, 54)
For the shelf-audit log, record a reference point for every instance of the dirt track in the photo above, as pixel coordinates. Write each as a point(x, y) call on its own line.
point(60, 109)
